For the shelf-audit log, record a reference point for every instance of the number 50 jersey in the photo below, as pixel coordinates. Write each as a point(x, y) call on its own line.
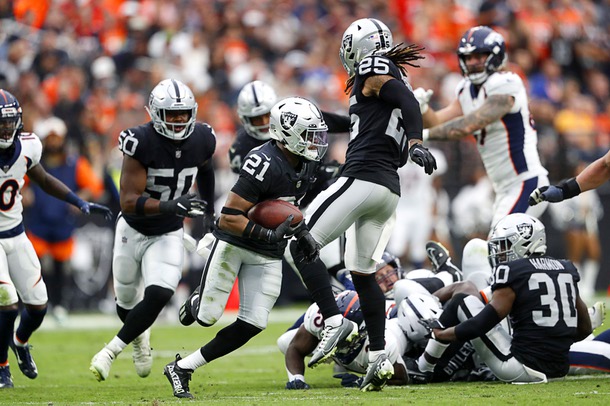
point(543, 316)
point(171, 169)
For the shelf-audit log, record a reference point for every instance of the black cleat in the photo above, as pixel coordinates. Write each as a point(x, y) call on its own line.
point(186, 310)
point(24, 360)
point(441, 261)
point(416, 376)
point(6, 381)
point(179, 378)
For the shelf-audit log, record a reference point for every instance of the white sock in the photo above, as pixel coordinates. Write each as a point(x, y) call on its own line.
point(17, 342)
point(116, 345)
point(424, 365)
point(193, 361)
point(334, 321)
point(373, 355)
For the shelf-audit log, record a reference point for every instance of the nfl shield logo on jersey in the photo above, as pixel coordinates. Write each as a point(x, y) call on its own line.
point(287, 120)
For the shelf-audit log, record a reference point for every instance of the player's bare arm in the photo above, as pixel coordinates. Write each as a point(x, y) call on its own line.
point(133, 183)
point(583, 328)
point(494, 108)
point(596, 174)
point(301, 345)
point(47, 182)
point(235, 223)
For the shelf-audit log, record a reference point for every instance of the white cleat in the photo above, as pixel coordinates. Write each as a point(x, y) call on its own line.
point(142, 356)
point(101, 363)
point(597, 313)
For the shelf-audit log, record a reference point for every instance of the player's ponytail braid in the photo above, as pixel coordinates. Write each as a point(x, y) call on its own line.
point(399, 54)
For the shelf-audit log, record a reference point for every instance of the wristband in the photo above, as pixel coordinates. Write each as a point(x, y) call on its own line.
point(74, 200)
point(140, 205)
point(570, 188)
point(248, 229)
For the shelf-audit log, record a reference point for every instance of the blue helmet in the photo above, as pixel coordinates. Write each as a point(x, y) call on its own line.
point(11, 121)
point(386, 277)
point(349, 306)
point(482, 40)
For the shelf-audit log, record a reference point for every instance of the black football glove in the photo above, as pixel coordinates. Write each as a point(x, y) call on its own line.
point(282, 231)
point(421, 156)
point(430, 324)
point(307, 245)
point(88, 208)
point(546, 194)
point(349, 380)
point(187, 205)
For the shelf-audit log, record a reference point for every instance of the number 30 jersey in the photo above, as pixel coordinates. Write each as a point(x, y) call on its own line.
point(26, 155)
point(171, 169)
point(543, 316)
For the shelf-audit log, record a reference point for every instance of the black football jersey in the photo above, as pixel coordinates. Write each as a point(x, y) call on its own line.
point(171, 169)
point(379, 144)
point(543, 316)
point(239, 149)
point(266, 174)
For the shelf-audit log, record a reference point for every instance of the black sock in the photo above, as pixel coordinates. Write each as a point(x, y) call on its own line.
point(449, 317)
point(145, 313)
point(229, 339)
point(430, 284)
point(372, 302)
point(30, 321)
point(122, 313)
point(318, 284)
point(7, 327)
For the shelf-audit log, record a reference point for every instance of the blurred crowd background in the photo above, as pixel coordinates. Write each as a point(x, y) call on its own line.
point(92, 64)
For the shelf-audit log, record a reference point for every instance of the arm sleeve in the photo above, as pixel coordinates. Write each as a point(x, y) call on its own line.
point(336, 123)
point(206, 184)
point(396, 93)
point(477, 325)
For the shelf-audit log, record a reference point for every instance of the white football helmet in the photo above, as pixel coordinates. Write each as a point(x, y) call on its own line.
point(255, 100)
point(298, 124)
point(516, 236)
point(171, 94)
point(417, 307)
point(362, 38)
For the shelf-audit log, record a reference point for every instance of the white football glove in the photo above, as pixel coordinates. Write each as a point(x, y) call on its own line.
point(423, 98)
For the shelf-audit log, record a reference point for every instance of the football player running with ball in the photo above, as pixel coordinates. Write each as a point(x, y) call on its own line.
point(492, 104)
point(20, 273)
point(282, 168)
point(386, 130)
point(161, 160)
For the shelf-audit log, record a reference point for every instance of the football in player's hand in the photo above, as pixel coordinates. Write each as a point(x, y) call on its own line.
point(272, 213)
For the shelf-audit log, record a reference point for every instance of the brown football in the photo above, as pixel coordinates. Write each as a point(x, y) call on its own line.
point(272, 213)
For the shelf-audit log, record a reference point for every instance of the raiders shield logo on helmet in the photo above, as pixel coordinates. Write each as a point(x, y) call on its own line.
point(347, 43)
point(525, 230)
point(287, 120)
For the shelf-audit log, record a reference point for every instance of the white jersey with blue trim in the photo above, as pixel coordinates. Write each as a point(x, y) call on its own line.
point(26, 154)
point(508, 146)
point(356, 358)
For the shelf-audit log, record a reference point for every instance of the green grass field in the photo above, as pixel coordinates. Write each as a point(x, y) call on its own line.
point(253, 375)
